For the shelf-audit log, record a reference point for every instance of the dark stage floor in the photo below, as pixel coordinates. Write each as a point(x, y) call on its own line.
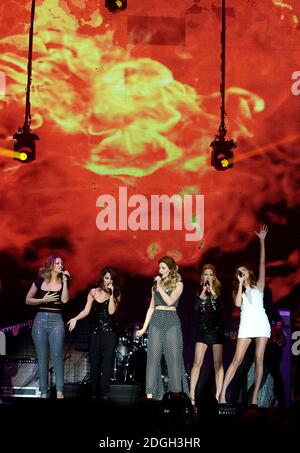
point(61, 425)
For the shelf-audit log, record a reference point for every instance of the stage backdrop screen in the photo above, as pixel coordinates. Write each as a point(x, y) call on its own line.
point(125, 106)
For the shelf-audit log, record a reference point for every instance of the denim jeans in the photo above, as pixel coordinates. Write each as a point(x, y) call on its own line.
point(49, 328)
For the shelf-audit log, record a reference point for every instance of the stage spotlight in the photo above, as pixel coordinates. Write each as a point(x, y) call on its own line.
point(222, 154)
point(24, 146)
point(115, 6)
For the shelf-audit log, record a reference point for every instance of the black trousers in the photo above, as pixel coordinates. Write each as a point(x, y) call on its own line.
point(102, 352)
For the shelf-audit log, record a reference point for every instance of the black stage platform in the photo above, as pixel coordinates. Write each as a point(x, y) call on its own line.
point(33, 424)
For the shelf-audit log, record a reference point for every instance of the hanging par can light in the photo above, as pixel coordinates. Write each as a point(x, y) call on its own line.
point(115, 6)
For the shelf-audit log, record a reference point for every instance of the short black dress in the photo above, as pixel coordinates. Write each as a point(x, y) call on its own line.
point(210, 323)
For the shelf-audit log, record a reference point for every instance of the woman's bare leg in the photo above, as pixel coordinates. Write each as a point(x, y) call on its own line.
point(241, 348)
point(219, 369)
point(200, 350)
point(260, 346)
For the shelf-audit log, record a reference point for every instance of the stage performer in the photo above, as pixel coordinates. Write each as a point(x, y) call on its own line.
point(48, 293)
point(165, 335)
point(210, 328)
point(254, 323)
point(102, 302)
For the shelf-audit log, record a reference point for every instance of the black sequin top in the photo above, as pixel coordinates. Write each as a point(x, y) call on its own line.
point(101, 320)
point(209, 310)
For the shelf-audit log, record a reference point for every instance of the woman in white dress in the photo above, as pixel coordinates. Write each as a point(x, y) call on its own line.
point(254, 322)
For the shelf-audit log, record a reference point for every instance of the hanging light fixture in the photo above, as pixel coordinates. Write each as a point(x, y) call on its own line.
point(24, 146)
point(222, 149)
point(115, 6)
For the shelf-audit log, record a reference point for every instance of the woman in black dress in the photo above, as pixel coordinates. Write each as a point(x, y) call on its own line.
point(102, 302)
point(210, 328)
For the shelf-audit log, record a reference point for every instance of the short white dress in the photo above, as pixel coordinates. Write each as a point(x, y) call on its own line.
point(253, 321)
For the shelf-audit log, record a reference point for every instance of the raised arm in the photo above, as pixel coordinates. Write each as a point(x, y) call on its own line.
point(148, 317)
point(85, 312)
point(262, 259)
point(238, 297)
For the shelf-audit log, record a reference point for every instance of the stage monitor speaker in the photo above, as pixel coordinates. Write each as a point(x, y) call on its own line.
point(119, 393)
point(126, 393)
point(77, 391)
point(20, 378)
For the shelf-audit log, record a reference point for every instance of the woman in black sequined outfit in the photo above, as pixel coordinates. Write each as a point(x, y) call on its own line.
point(210, 328)
point(102, 303)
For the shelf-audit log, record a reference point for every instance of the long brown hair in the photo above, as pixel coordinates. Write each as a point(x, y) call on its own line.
point(115, 279)
point(252, 280)
point(173, 277)
point(45, 271)
point(216, 284)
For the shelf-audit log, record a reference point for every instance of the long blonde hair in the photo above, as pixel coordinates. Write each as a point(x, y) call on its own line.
point(216, 284)
point(173, 277)
point(45, 271)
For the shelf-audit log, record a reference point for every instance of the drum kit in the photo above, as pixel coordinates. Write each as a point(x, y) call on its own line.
point(130, 357)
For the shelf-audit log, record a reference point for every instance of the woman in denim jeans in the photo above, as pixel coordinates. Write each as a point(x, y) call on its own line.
point(49, 292)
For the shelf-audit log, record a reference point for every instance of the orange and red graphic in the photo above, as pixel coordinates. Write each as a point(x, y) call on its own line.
point(132, 99)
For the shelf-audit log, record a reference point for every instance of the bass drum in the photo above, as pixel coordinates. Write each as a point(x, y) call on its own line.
point(131, 334)
point(137, 366)
point(144, 341)
point(122, 351)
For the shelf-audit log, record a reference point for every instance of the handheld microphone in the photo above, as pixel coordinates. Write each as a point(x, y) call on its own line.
point(110, 291)
point(155, 281)
point(206, 283)
point(66, 273)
